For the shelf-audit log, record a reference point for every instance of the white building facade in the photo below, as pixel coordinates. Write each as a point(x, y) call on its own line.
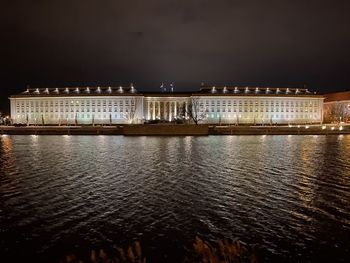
point(107, 105)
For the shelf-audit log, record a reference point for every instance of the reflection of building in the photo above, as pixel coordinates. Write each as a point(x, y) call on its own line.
point(126, 105)
point(337, 107)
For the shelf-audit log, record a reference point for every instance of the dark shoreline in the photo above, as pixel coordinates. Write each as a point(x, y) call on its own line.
point(177, 130)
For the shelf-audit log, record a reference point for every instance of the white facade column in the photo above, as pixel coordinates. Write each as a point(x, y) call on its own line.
point(13, 109)
point(158, 102)
point(175, 109)
point(148, 110)
point(170, 115)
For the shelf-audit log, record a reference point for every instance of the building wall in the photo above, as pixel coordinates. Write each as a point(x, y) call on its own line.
point(337, 111)
point(260, 109)
point(135, 109)
point(337, 107)
point(77, 110)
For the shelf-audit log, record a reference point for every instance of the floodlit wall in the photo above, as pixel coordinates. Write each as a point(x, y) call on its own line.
point(260, 109)
point(119, 106)
point(77, 110)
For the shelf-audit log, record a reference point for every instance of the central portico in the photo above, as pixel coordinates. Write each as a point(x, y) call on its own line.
point(166, 107)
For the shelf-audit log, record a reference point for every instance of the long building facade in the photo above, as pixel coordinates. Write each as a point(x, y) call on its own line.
point(125, 105)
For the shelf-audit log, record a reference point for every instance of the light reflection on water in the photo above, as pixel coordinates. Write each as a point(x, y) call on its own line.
point(289, 195)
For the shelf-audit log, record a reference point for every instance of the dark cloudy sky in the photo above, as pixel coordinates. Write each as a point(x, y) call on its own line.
point(232, 42)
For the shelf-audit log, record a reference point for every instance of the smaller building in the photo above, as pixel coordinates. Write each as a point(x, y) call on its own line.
point(336, 107)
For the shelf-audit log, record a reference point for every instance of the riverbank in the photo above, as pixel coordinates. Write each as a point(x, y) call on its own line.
point(281, 130)
point(181, 130)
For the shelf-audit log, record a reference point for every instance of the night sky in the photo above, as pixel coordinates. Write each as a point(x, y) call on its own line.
point(187, 42)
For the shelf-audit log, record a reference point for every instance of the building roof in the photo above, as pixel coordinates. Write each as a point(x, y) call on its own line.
point(337, 96)
point(78, 91)
point(259, 91)
point(127, 91)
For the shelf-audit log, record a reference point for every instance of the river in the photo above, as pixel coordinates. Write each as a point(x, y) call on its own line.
point(288, 196)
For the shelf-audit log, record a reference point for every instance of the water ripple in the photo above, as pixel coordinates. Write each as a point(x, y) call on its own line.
point(289, 195)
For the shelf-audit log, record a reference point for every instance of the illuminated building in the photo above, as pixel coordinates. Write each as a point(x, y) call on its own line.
point(337, 107)
point(122, 105)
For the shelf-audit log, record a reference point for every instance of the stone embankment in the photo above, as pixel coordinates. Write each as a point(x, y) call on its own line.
point(61, 130)
point(281, 130)
point(181, 130)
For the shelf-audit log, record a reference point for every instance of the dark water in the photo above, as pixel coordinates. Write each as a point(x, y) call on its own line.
point(287, 195)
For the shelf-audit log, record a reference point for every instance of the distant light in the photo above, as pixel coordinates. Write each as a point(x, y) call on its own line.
point(340, 128)
point(307, 127)
point(332, 128)
point(324, 127)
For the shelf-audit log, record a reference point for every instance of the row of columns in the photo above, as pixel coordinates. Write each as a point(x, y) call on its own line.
point(165, 110)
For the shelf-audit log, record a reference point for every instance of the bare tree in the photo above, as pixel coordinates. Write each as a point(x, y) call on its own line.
point(131, 110)
point(336, 112)
point(195, 110)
